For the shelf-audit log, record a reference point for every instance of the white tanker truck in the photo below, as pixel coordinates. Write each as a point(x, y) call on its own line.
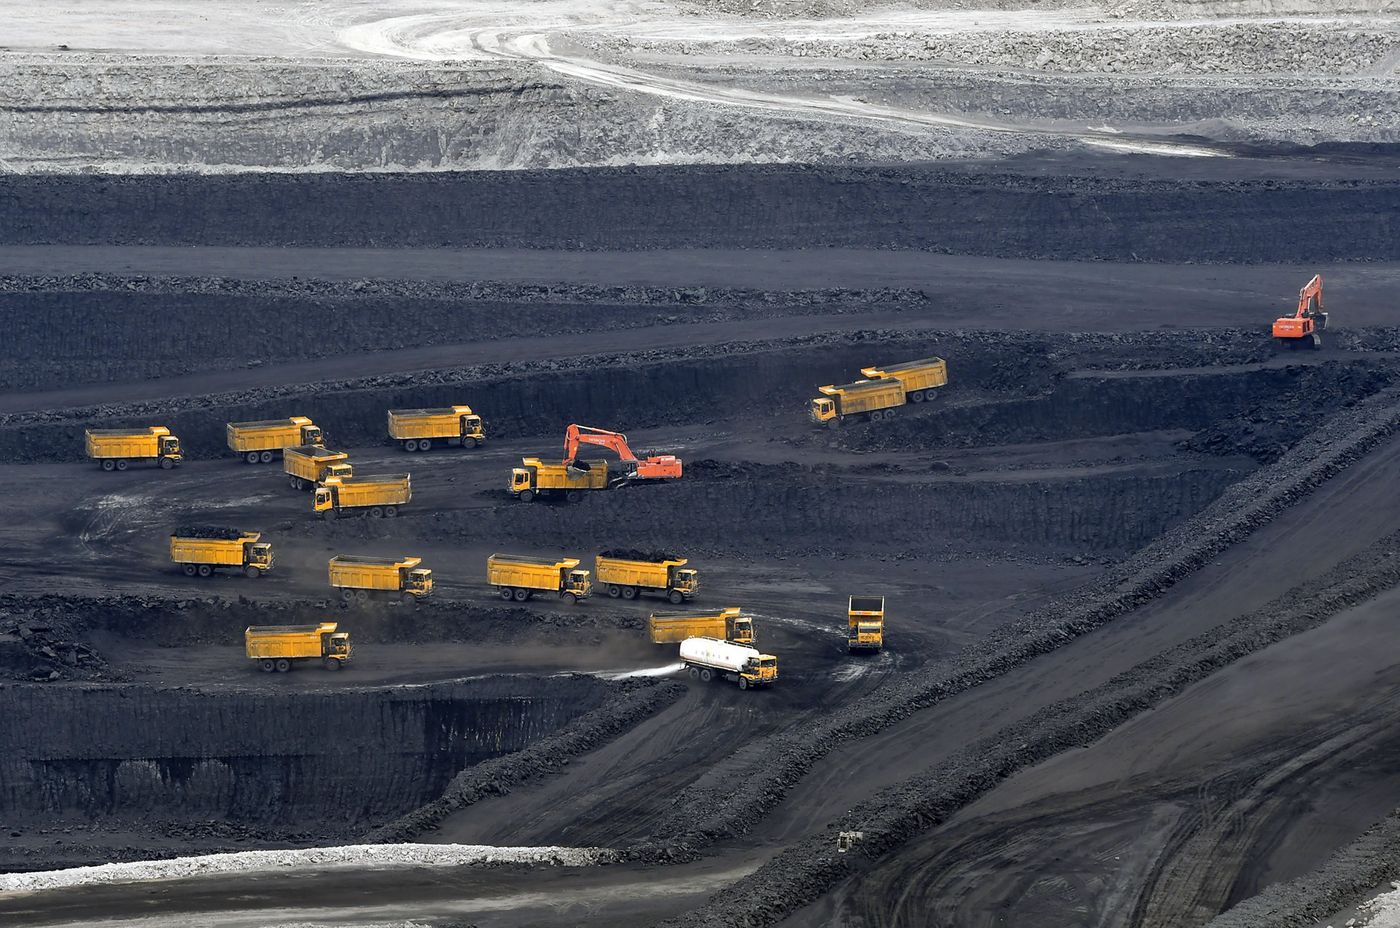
point(707, 658)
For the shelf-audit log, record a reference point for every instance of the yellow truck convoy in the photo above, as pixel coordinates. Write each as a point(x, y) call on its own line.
point(278, 647)
point(262, 441)
point(520, 577)
point(628, 574)
point(540, 478)
point(308, 465)
point(360, 579)
point(865, 623)
point(730, 623)
point(115, 449)
point(377, 495)
point(421, 429)
point(708, 658)
point(883, 390)
point(202, 550)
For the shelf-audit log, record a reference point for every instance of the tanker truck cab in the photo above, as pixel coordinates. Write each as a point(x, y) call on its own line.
point(823, 409)
point(579, 584)
point(761, 670)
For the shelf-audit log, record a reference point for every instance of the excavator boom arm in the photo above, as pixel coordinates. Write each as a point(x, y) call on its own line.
point(1310, 298)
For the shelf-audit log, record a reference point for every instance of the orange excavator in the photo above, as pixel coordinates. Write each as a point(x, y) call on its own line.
point(1304, 328)
point(658, 467)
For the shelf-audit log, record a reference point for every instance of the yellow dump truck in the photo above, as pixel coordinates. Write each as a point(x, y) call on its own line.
point(421, 429)
point(377, 495)
point(360, 579)
point(548, 478)
point(865, 623)
point(278, 647)
point(262, 441)
point(730, 624)
point(115, 449)
point(884, 390)
point(629, 577)
point(520, 577)
point(708, 658)
point(308, 465)
point(203, 553)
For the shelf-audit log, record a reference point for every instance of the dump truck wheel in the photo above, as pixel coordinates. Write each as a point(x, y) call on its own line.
point(391, 512)
point(505, 592)
point(520, 595)
point(266, 457)
point(676, 597)
point(283, 665)
point(572, 598)
point(409, 444)
point(376, 512)
point(267, 666)
point(251, 457)
point(166, 463)
point(330, 663)
point(425, 444)
point(189, 570)
point(572, 496)
point(479, 441)
point(527, 496)
point(706, 675)
point(205, 570)
point(121, 464)
point(252, 572)
point(328, 515)
point(743, 684)
point(629, 592)
point(347, 595)
point(408, 599)
point(917, 397)
point(930, 395)
point(362, 596)
point(614, 590)
point(109, 465)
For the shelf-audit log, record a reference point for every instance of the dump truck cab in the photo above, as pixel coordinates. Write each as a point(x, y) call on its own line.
point(170, 447)
point(685, 580)
point(865, 623)
point(471, 427)
point(741, 629)
point(338, 470)
point(335, 645)
point(325, 497)
point(823, 410)
point(259, 554)
point(418, 581)
point(579, 583)
point(521, 480)
point(311, 435)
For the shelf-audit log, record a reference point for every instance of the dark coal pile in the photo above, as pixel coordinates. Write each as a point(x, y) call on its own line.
point(213, 532)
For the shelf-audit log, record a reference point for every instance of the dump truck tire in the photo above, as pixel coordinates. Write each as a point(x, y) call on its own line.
point(121, 464)
point(205, 570)
point(330, 663)
point(573, 598)
point(391, 512)
point(572, 496)
point(408, 599)
point(629, 592)
point(409, 444)
point(267, 665)
point(479, 441)
point(527, 496)
point(376, 512)
point(362, 596)
point(166, 463)
point(109, 464)
point(251, 457)
point(676, 597)
point(520, 595)
point(425, 444)
point(917, 397)
point(930, 395)
point(329, 515)
point(614, 590)
point(506, 592)
point(188, 569)
point(253, 572)
point(283, 665)
point(266, 457)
